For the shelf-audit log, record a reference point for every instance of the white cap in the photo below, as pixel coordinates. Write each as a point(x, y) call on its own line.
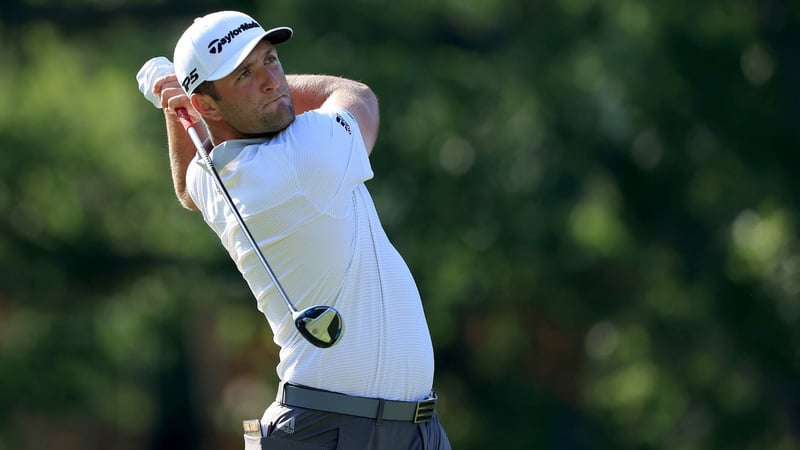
point(214, 45)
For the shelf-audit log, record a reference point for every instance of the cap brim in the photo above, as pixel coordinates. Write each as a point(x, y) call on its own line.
point(274, 36)
point(278, 35)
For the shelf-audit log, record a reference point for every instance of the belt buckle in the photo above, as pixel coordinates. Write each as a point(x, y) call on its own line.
point(425, 409)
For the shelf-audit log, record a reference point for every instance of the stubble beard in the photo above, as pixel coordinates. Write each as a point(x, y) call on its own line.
point(262, 123)
point(279, 120)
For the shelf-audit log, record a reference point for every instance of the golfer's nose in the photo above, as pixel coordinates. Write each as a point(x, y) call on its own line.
point(269, 79)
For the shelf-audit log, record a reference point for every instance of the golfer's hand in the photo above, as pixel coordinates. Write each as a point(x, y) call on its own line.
point(172, 96)
point(151, 71)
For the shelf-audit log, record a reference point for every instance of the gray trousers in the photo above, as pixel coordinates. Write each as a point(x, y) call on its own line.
point(290, 427)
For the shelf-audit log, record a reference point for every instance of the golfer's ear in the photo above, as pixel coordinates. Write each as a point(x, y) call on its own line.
point(206, 106)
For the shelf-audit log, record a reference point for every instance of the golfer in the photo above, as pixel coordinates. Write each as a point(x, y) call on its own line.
point(293, 152)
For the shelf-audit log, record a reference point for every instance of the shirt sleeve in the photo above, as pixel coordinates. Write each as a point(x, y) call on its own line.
point(331, 156)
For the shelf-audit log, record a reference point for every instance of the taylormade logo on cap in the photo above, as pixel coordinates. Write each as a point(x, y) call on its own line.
point(214, 45)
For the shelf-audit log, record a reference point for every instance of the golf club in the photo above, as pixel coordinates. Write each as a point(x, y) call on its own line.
point(322, 326)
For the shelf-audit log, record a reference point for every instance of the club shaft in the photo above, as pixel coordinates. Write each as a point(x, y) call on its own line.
point(186, 120)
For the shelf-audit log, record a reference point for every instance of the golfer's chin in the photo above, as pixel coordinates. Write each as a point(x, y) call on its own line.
point(274, 124)
point(281, 111)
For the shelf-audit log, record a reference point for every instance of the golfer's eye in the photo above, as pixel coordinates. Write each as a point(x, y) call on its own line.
point(244, 74)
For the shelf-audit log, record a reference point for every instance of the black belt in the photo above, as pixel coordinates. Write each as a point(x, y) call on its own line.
point(372, 408)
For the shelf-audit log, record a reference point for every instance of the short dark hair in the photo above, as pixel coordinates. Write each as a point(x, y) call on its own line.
point(207, 88)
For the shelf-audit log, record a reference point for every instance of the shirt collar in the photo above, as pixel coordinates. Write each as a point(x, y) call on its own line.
point(225, 152)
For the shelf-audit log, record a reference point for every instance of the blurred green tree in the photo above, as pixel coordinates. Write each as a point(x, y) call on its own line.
point(597, 200)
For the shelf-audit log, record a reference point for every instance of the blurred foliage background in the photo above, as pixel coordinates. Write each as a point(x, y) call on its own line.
point(598, 199)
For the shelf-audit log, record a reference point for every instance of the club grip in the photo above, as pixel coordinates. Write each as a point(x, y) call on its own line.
point(184, 117)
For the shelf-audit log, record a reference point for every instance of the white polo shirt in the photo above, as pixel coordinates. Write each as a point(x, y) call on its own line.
point(303, 197)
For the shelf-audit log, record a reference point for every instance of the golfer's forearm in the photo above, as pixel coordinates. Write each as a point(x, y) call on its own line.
point(181, 153)
point(312, 91)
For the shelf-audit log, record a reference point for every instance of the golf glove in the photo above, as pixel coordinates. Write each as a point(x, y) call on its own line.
point(151, 71)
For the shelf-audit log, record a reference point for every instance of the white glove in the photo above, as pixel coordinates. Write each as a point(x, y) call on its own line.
point(151, 71)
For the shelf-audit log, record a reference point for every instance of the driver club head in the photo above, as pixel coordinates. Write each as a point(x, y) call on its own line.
point(322, 326)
